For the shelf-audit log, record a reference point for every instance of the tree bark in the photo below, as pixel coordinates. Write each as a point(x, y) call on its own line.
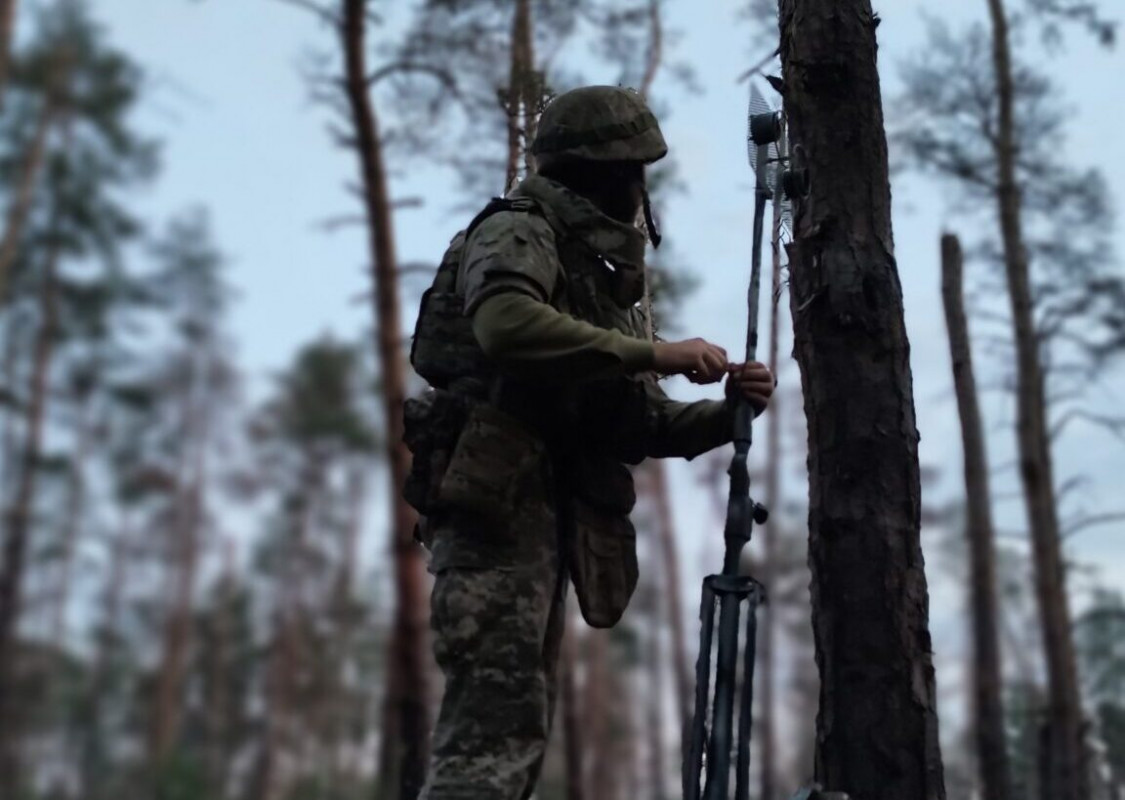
point(596, 716)
point(187, 517)
point(520, 112)
point(7, 23)
point(670, 565)
point(877, 732)
point(20, 208)
point(411, 612)
point(572, 730)
point(94, 747)
point(992, 746)
point(19, 524)
point(1068, 757)
point(767, 618)
point(654, 706)
point(72, 523)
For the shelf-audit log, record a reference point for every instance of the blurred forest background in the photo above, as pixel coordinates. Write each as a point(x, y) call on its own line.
point(208, 588)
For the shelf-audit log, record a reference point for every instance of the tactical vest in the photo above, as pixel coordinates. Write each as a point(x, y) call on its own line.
point(471, 432)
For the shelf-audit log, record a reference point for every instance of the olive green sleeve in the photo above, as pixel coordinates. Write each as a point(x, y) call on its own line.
point(686, 430)
point(533, 339)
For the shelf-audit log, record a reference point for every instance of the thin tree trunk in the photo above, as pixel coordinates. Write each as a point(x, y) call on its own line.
point(188, 519)
point(530, 89)
point(72, 524)
point(572, 730)
point(518, 78)
point(595, 718)
point(19, 521)
point(7, 23)
point(655, 55)
point(219, 714)
point(877, 732)
point(345, 615)
point(1068, 756)
point(93, 757)
point(670, 566)
point(992, 746)
point(768, 623)
point(31, 167)
point(411, 612)
point(654, 720)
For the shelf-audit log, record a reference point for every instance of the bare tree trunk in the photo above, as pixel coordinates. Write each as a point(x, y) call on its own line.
point(187, 523)
point(572, 732)
point(1068, 756)
point(670, 566)
point(72, 524)
point(520, 112)
point(877, 732)
point(19, 525)
point(531, 91)
point(411, 613)
point(655, 55)
point(344, 604)
point(93, 755)
point(7, 23)
point(595, 716)
point(768, 623)
point(654, 720)
point(219, 714)
point(31, 167)
point(992, 746)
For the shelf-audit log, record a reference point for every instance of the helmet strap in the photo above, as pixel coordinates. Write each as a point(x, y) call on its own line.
point(651, 224)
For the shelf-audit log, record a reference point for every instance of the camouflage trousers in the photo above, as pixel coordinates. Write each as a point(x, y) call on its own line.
point(497, 628)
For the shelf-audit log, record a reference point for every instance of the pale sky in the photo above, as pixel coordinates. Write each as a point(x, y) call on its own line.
point(242, 139)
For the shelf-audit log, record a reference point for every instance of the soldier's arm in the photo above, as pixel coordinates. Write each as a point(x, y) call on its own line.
point(508, 273)
point(532, 338)
point(686, 430)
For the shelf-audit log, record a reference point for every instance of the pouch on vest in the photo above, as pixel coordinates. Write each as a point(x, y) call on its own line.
point(494, 465)
point(432, 424)
point(602, 552)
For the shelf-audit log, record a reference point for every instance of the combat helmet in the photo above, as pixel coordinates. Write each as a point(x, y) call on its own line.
point(599, 123)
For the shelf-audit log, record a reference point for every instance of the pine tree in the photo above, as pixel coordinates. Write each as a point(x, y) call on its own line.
point(877, 725)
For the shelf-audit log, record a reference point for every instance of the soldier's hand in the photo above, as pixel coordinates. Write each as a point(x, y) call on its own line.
point(698, 359)
point(753, 382)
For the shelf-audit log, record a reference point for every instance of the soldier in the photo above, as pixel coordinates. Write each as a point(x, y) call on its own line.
point(547, 385)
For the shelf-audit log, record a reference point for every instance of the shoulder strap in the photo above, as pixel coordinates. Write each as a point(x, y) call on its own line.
point(498, 204)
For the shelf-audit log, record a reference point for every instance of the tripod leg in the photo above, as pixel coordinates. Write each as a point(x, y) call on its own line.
point(694, 766)
point(722, 719)
point(742, 780)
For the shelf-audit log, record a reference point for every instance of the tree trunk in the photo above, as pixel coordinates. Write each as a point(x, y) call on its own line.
point(768, 623)
point(187, 518)
point(1068, 759)
point(992, 746)
point(30, 168)
point(530, 90)
point(572, 730)
point(670, 566)
point(219, 717)
point(177, 641)
point(596, 715)
point(519, 90)
point(655, 55)
point(877, 732)
point(72, 522)
point(654, 705)
point(19, 525)
point(411, 612)
point(7, 23)
point(93, 767)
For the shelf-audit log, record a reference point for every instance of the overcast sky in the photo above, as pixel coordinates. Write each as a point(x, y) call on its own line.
point(242, 139)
